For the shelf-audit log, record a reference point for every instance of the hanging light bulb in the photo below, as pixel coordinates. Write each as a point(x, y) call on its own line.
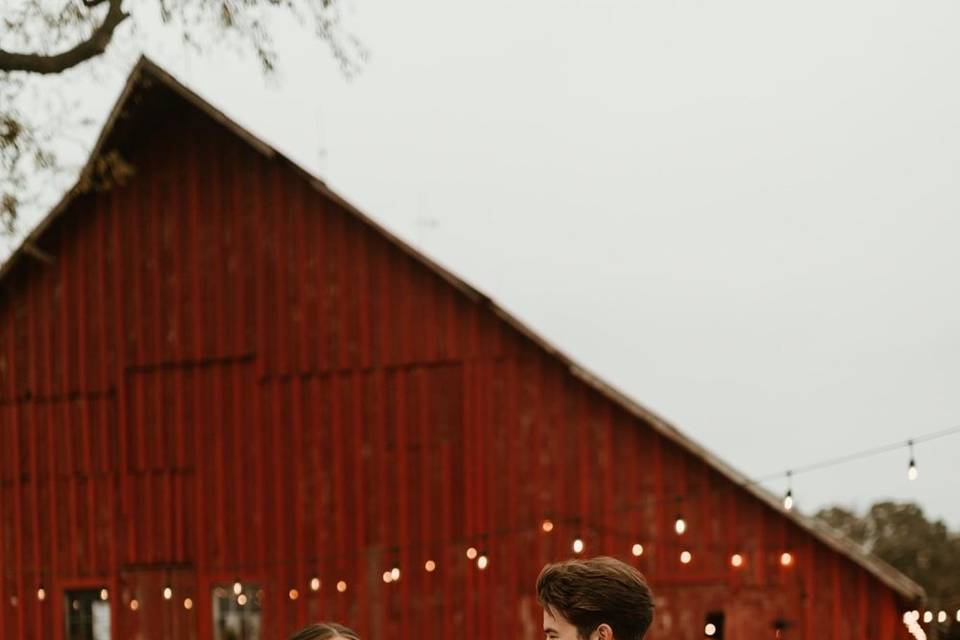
point(395, 573)
point(315, 584)
point(41, 593)
point(242, 599)
point(293, 594)
point(134, 605)
point(786, 558)
point(637, 550)
point(578, 545)
point(788, 499)
point(237, 588)
point(472, 553)
point(387, 577)
point(167, 593)
point(679, 523)
point(430, 566)
point(188, 604)
point(341, 586)
point(104, 595)
point(912, 472)
point(942, 617)
point(482, 562)
point(736, 560)
point(928, 616)
point(547, 525)
point(686, 557)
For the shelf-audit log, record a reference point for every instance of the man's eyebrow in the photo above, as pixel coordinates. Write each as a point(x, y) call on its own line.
point(550, 630)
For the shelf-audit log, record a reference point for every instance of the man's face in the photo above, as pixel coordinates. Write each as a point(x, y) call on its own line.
point(556, 627)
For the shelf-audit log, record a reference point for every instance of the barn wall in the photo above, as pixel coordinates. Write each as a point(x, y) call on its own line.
point(225, 376)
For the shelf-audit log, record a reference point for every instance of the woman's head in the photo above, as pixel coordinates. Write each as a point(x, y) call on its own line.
point(325, 631)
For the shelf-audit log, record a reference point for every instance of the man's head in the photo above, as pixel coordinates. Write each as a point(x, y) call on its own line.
point(597, 599)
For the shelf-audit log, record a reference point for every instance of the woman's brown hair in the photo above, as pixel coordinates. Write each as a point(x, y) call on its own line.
point(598, 591)
point(325, 631)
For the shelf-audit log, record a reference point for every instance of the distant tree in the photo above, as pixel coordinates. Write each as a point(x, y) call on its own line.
point(926, 551)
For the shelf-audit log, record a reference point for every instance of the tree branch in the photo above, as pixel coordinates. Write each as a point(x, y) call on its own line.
point(93, 46)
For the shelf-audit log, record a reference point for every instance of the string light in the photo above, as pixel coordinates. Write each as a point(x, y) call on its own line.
point(294, 594)
point(912, 472)
point(237, 588)
point(637, 550)
point(315, 584)
point(430, 566)
point(134, 605)
point(710, 630)
point(472, 553)
point(341, 586)
point(786, 558)
point(187, 604)
point(942, 617)
point(788, 499)
point(861, 455)
point(928, 616)
point(547, 526)
point(41, 594)
point(686, 557)
point(680, 525)
point(167, 593)
point(387, 577)
point(578, 545)
point(910, 620)
point(104, 595)
point(736, 560)
point(242, 599)
point(482, 562)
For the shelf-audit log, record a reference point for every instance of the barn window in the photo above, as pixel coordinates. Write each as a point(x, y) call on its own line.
point(87, 614)
point(237, 611)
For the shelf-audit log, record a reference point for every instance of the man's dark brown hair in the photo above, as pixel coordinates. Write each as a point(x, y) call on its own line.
point(601, 590)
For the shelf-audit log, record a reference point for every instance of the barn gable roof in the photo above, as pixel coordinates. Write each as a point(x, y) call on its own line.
point(147, 72)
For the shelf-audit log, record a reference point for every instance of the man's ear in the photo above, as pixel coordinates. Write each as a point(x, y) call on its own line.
point(604, 632)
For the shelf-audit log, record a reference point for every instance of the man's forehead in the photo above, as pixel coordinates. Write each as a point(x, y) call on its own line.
point(551, 619)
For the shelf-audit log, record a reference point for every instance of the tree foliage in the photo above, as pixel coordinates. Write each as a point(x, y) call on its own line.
point(50, 37)
point(924, 550)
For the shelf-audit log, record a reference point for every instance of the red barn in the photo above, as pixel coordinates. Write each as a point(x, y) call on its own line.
point(231, 404)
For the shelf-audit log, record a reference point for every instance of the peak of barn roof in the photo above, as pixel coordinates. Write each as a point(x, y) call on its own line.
point(146, 72)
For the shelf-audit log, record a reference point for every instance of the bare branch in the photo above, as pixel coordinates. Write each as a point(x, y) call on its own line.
point(93, 46)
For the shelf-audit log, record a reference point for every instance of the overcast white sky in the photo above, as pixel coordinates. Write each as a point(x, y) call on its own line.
point(744, 214)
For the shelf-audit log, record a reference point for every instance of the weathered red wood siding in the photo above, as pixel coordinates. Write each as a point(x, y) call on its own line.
point(225, 375)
